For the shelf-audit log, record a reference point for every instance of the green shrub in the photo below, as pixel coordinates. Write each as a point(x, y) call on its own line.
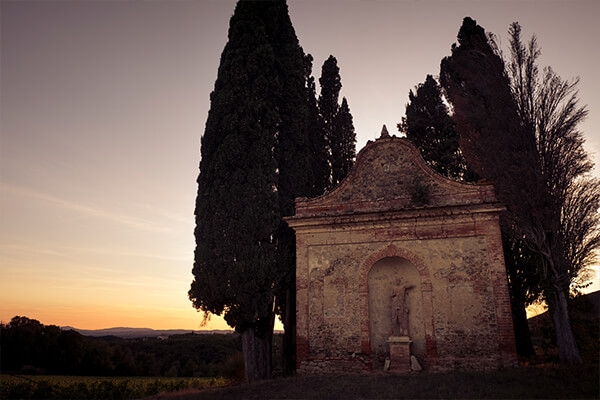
point(233, 368)
point(74, 387)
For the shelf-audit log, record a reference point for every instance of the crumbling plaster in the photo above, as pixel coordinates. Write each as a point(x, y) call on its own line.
point(394, 219)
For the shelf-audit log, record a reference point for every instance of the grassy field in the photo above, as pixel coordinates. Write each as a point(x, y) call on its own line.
point(531, 382)
point(548, 382)
point(77, 387)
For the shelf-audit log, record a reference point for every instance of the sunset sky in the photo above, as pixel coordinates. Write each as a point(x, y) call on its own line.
point(103, 104)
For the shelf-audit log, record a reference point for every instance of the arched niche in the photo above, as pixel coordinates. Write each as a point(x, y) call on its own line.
point(384, 279)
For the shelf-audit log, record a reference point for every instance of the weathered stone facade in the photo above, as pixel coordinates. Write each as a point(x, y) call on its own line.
point(393, 222)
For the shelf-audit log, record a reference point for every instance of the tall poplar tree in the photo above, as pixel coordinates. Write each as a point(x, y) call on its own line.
point(255, 160)
point(549, 106)
point(499, 146)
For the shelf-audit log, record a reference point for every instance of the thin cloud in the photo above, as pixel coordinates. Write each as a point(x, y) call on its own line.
point(84, 209)
point(14, 252)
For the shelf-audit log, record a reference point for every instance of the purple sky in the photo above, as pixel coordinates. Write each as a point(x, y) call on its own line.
point(103, 105)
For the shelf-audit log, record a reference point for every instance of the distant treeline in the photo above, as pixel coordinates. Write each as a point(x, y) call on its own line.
point(27, 346)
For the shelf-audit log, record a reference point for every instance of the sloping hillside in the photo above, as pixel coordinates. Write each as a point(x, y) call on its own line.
point(585, 321)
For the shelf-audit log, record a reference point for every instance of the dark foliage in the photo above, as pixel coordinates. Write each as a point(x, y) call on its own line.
point(336, 124)
point(524, 283)
point(486, 118)
point(549, 106)
point(30, 347)
point(430, 127)
point(343, 144)
point(257, 157)
point(585, 320)
point(94, 387)
point(331, 85)
point(547, 115)
point(500, 146)
point(318, 142)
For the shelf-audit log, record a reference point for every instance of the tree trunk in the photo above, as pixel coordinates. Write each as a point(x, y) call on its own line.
point(568, 352)
point(289, 333)
point(257, 346)
point(521, 328)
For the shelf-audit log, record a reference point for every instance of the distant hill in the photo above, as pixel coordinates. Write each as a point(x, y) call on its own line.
point(584, 312)
point(588, 305)
point(134, 333)
point(593, 300)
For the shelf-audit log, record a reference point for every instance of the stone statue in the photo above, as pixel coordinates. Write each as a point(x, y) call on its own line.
point(400, 310)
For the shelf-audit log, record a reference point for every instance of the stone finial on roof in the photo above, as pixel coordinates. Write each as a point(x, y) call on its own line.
point(384, 132)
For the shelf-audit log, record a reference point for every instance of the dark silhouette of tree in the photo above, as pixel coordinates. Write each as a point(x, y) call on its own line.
point(500, 147)
point(318, 142)
point(337, 124)
point(524, 283)
point(429, 126)
point(548, 105)
point(299, 161)
point(343, 144)
point(318, 171)
point(20, 345)
point(256, 159)
point(330, 82)
point(28, 346)
point(580, 227)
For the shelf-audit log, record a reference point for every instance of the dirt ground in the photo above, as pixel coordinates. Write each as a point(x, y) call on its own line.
point(546, 381)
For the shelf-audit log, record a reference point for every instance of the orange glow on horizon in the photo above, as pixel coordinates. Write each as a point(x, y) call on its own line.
point(95, 317)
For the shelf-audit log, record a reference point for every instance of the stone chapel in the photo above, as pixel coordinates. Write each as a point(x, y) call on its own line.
point(399, 268)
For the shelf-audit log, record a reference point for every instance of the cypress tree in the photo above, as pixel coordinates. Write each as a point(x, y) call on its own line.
point(336, 124)
point(501, 147)
point(331, 85)
point(318, 141)
point(297, 158)
point(429, 126)
point(255, 160)
point(343, 144)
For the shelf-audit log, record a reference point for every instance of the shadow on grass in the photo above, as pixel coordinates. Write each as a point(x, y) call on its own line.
point(547, 382)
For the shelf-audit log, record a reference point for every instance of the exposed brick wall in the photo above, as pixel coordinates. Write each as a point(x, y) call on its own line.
point(460, 310)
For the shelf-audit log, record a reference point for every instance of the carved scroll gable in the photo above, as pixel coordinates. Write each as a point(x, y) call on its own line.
point(389, 174)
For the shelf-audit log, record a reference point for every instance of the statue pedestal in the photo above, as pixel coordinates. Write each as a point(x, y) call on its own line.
point(399, 353)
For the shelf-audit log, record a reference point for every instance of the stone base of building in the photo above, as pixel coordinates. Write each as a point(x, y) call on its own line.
point(399, 353)
point(354, 364)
